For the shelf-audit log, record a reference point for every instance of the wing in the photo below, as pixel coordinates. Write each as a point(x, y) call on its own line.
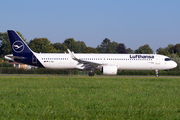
point(86, 64)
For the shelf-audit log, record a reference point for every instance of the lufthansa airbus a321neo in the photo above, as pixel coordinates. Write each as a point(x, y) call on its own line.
point(107, 63)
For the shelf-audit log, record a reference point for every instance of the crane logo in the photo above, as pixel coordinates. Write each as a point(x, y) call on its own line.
point(18, 46)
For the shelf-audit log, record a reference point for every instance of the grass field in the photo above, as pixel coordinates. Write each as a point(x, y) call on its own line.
point(89, 98)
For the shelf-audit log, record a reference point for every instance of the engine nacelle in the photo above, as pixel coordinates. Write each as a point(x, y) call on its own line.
point(109, 70)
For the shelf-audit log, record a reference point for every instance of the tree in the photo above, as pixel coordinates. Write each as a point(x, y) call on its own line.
point(80, 46)
point(60, 48)
point(41, 45)
point(90, 50)
point(144, 50)
point(175, 49)
point(5, 47)
point(103, 48)
point(57, 46)
point(169, 46)
point(107, 46)
point(21, 36)
point(121, 48)
point(164, 51)
point(112, 47)
point(71, 44)
point(129, 50)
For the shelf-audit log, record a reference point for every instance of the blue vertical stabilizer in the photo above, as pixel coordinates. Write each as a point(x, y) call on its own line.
point(19, 47)
point(21, 50)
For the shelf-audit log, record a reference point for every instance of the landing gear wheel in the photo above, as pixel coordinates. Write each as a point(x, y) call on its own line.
point(91, 73)
point(156, 73)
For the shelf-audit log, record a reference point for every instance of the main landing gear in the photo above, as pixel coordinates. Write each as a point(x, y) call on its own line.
point(156, 73)
point(91, 73)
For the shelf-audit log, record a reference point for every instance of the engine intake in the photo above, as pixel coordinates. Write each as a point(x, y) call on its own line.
point(109, 70)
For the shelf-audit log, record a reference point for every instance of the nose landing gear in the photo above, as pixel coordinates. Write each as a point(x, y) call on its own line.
point(156, 73)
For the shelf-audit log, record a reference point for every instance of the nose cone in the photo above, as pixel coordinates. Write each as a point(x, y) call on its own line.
point(174, 64)
point(171, 64)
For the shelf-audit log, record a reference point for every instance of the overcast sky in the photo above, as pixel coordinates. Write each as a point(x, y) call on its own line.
point(132, 22)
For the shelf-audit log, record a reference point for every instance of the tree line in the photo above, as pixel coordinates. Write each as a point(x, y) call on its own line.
point(44, 45)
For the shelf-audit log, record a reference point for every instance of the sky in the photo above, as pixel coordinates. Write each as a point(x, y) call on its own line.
point(132, 22)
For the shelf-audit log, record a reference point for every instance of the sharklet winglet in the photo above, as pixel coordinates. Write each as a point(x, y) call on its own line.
point(72, 55)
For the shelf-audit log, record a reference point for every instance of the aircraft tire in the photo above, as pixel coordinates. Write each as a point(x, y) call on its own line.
point(91, 74)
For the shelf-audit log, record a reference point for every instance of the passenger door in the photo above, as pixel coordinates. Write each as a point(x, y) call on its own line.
point(157, 60)
point(34, 59)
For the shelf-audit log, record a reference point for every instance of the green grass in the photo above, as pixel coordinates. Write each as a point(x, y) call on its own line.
point(89, 98)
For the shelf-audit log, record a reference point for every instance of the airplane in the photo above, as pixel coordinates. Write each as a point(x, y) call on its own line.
point(108, 64)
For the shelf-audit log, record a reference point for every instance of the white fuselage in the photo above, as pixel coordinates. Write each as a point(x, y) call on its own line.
point(122, 61)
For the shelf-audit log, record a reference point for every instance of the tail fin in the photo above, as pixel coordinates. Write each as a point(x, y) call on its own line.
point(19, 47)
point(21, 52)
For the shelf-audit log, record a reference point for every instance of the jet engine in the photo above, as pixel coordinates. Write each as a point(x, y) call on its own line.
point(109, 70)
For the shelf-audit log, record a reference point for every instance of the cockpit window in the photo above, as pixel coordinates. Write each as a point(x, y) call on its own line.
point(167, 59)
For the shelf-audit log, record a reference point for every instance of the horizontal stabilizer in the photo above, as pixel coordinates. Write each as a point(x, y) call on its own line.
point(11, 57)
